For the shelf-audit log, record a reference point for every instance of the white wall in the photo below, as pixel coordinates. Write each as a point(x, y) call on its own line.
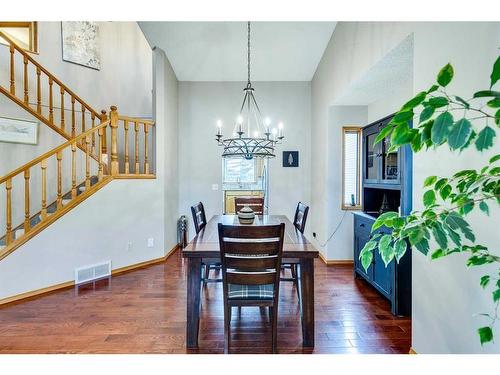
point(440, 325)
point(200, 165)
point(166, 116)
point(97, 230)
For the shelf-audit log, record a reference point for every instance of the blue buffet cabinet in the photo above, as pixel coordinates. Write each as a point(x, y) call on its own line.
point(386, 185)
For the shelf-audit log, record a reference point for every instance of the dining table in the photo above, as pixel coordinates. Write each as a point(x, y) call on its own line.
point(205, 248)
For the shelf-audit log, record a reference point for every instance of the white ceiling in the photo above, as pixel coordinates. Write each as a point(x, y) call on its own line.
point(216, 51)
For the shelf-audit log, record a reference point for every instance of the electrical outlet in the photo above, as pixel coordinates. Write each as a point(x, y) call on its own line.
point(151, 242)
point(129, 246)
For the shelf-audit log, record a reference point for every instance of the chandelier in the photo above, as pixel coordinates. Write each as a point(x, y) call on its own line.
point(252, 136)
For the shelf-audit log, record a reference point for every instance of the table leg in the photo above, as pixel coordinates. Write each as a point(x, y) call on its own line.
point(307, 297)
point(193, 302)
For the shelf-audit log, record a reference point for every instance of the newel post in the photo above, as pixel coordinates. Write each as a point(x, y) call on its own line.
point(113, 116)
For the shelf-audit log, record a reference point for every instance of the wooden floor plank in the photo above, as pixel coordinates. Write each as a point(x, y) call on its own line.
point(144, 311)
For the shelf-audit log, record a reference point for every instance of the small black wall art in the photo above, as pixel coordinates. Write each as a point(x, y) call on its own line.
point(290, 158)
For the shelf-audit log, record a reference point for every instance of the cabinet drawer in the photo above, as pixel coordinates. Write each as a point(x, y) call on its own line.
point(363, 225)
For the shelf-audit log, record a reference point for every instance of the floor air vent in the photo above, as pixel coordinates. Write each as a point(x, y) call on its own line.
point(93, 272)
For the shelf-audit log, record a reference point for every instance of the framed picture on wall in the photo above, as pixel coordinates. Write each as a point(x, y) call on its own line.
point(18, 131)
point(290, 158)
point(81, 43)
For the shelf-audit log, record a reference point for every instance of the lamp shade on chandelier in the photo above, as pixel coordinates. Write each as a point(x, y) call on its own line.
point(252, 135)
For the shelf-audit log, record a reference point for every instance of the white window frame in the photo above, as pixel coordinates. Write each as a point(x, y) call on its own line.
point(344, 205)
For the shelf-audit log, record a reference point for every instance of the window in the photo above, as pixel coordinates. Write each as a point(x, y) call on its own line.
point(239, 170)
point(351, 176)
point(24, 34)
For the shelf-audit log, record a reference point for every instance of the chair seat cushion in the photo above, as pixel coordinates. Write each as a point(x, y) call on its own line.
point(264, 292)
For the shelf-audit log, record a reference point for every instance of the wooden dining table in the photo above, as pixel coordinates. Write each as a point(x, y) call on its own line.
point(205, 248)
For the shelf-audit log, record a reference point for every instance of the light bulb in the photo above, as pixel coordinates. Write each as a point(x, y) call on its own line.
point(256, 134)
point(240, 120)
point(267, 121)
point(280, 125)
point(219, 124)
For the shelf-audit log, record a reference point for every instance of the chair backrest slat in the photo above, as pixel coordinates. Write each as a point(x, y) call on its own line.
point(199, 218)
point(251, 278)
point(300, 218)
point(251, 255)
point(256, 204)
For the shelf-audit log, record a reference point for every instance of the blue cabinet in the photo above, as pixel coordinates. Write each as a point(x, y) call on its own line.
point(386, 185)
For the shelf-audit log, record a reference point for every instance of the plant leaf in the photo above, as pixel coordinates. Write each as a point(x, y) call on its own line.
point(485, 138)
point(438, 102)
point(441, 128)
point(382, 218)
point(432, 89)
point(495, 158)
point(429, 198)
point(385, 248)
point(459, 134)
point(445, 75)
point(485, 334)
point(486, 94)
point(426, 113)
point(455, 221)
point(430, 180)
point(399, 249)
point(484, 207)
point(445, 191)
point(422, 246)
point(495, 74)
point(402, 134)
point(485, 280)
point(496, 295)
point(416, 100)
point(440, 236)
point(465, 104)
point(439, 253)
point(402, 116)
point(384, 133)
point(366, 257)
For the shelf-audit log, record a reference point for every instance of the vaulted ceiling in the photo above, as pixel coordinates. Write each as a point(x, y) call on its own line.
point(216, 51)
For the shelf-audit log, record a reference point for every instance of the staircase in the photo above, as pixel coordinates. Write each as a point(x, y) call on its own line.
point(97, 151)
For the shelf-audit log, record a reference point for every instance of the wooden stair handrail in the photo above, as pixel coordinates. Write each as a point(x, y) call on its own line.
point(138, 120)
point(54, 151)
point(50, 75)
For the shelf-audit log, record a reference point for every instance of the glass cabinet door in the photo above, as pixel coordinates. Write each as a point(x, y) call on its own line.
point(390, 163)
point(372, 159)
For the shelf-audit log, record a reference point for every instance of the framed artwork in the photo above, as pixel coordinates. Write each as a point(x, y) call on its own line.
point(290, 158)
point(18, 131)
point(81, 43)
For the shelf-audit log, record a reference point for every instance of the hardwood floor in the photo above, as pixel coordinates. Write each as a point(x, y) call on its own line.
point(144, 311)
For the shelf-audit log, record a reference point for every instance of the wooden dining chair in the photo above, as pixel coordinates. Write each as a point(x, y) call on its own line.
point(255, 203)
point(251, 262)
point(200, 221)
point(299, 222)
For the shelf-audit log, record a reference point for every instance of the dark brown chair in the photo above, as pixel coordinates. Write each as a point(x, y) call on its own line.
point(251, 262)
point(256, 204)
point(200, 221)
point(299, 222)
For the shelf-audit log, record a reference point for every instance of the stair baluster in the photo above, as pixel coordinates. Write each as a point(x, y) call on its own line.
point(8, 234)
point(63, 125)
point(44, 189)
point(113, 116)
point(73, 118)
point(87, 163)
point(59, 180)
point(146, 159)
point(100, 171)
point(51, 101)
point(26, 200)
point(127, 163)
point(73, 170)
point(12, 75)
point(26, 97)
point(38, 91)
point(136, 128)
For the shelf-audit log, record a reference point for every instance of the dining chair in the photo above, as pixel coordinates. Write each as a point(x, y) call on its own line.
point(255, 203)
point(200, 221)
point(251, 262)
point(299, 222)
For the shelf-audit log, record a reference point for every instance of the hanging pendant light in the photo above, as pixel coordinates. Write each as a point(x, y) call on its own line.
point(252, 135)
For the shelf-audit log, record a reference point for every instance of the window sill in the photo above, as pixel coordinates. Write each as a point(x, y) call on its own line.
point(351, 208)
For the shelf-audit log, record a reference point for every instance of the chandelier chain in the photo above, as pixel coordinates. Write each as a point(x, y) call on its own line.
point(248, 53)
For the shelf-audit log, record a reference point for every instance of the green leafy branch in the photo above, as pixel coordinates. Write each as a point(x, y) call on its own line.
point(447, 200)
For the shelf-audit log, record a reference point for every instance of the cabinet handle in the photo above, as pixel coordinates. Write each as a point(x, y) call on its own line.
point(362, 225)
